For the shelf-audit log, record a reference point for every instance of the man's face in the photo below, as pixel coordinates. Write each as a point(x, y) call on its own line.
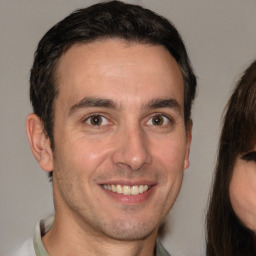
point(120, 140)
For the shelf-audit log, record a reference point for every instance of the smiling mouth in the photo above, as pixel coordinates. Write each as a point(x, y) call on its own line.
point(127, 190)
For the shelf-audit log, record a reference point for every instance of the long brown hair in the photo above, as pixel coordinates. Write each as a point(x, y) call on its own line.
point(226, 235)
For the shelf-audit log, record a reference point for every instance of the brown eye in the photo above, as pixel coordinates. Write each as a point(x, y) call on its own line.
point(158, 120)
point(97, 120)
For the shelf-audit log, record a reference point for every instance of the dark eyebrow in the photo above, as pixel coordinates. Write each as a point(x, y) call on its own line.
point(92, 102)
point(164, 103)
point(107, 103)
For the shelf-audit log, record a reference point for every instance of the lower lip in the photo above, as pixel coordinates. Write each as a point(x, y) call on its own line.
point(130, 199)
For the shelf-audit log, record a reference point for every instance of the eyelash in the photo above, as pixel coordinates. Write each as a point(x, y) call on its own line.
point(87, 119)
point(155, 115)
point(251, 156)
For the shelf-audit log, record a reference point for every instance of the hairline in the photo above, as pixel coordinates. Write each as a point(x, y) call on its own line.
point(103, 38)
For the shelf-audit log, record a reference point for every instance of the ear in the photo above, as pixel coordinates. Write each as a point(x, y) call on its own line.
point(188, 143)
point(39, 142)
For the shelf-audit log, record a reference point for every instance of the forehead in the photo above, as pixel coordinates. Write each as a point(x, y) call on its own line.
point(118, 68)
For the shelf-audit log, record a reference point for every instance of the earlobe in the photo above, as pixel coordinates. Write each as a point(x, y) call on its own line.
point(39, 142)
point(186, 164)
point(188, 143)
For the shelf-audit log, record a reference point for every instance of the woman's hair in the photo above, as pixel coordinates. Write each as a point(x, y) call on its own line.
point(226, 235)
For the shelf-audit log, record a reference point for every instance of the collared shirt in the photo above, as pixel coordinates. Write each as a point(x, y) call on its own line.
point(35, 247)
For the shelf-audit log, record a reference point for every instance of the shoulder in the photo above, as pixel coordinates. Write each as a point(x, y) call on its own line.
point(26, 249)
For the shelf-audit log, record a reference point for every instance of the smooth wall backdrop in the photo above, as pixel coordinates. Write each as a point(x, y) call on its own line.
point(221, 41)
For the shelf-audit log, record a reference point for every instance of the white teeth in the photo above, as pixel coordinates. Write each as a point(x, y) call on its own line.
point(135, 190)
point(127, 190)
point(119, 189)
point(113, 188)
point(141, 189)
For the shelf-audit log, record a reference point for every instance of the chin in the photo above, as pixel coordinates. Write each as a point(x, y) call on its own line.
point(130, 231)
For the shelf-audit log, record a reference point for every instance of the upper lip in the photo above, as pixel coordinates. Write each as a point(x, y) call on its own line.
point(129, 182)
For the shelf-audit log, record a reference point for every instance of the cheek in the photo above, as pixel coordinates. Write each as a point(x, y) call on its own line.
point(236, 191)
point(170, 153)
point(169, 159)
point(76, 165)
point(171, 163)
point(87, 155)
point(243, 198)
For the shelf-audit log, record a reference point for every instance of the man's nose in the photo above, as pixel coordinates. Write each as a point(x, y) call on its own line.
point(133, 149)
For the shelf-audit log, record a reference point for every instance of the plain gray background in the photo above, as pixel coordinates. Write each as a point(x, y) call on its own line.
point(221, 41)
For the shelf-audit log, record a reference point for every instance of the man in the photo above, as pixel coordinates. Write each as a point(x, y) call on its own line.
point(112, 89)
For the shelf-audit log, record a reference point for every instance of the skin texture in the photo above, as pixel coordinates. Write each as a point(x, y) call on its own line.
point(243, 191)
point(137, 85)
